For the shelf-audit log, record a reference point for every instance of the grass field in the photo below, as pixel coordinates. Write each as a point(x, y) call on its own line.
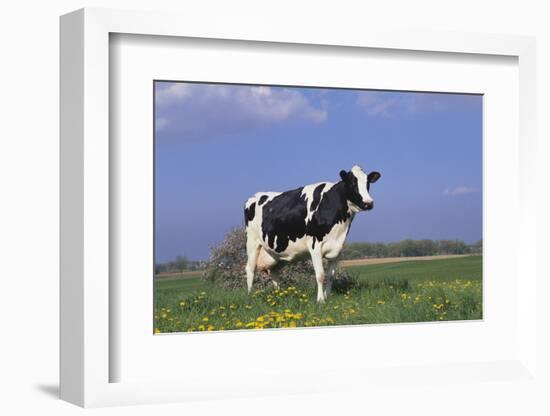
point(406, 291)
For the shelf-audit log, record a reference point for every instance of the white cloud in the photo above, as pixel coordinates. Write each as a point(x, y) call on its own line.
point(386, 103)
point(459, 190)
point(196, 108)
point(161, 123)
point(376, 103)
point(176, 91)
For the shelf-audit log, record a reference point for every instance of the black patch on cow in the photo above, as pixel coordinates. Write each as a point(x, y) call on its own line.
point(284, 218)
point(249, 213)
point(262, 200)
point(317, 196)
point(332, 210)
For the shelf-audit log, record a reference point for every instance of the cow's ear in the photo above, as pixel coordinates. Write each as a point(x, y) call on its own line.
point(345, 176)
point(373, 177)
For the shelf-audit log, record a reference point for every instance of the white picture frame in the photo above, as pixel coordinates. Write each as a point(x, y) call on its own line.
point(86, 356)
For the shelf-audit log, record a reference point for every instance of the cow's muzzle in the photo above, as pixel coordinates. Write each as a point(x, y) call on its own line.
point(367, 206)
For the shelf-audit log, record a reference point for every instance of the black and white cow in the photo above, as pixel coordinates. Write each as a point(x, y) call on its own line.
point(315, 219)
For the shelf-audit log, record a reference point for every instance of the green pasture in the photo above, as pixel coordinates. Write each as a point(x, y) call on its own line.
point(410, 291)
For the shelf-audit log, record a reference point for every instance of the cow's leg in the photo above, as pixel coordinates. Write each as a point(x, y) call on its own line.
point(331, 273)
point(317, 259)
point(275, 278)
point(252, 251)
point(274, 272)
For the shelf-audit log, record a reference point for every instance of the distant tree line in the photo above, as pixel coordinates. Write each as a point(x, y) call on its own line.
point(408, 248)
point(403, 248)
point(179, 265)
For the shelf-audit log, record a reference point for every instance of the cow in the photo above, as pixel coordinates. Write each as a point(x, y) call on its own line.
point(283, 227)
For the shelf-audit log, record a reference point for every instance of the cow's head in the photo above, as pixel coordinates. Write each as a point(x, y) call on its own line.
point(357, 185)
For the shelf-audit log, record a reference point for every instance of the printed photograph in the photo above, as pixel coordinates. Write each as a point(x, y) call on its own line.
point(292, 207)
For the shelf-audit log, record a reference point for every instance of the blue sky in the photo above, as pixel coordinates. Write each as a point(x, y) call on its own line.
point(216, 145)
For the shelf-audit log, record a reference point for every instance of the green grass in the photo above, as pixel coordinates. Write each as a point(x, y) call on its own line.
point(420, 270)
point(414, 291)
